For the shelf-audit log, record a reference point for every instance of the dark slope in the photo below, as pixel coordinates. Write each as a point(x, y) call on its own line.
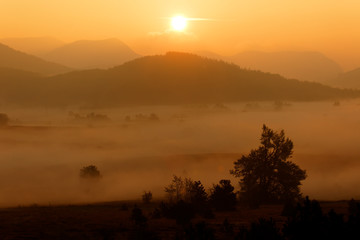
point(175, 78)
point(10, 58)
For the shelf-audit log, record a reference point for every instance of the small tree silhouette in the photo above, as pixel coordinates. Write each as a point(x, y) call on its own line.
point(222, 196)
point(147, 197)
point(266, 174)
point(198, 195)
point(185, 189)
point(175, 189)
point(90, 172)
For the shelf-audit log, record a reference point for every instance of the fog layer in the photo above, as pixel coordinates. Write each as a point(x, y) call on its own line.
point(42, 151)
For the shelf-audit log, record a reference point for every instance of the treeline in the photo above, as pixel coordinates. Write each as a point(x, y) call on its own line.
point(305, 219)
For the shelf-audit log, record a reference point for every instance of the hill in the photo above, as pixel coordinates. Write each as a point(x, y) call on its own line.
point(349, 79)
point(174, 78)
point(92, 54)
point(10, 58)
point(306, 66)
point(35, 46)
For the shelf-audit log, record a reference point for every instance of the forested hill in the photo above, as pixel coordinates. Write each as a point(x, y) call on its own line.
point(174, 78)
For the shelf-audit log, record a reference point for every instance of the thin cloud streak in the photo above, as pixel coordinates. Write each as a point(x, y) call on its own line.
point(202, 19)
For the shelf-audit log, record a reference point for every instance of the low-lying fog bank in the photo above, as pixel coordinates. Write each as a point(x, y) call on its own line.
point(138, 149)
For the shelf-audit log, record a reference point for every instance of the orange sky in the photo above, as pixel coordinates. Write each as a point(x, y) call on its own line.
point(328, 26)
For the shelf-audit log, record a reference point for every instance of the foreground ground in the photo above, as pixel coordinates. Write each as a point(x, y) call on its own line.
point(112, 220)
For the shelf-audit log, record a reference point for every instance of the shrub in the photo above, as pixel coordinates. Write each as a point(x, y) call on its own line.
point(222, 196)
point(147, 197)
point(90, 172)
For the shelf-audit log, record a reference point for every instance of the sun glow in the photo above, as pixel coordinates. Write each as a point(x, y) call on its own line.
point(178, 23)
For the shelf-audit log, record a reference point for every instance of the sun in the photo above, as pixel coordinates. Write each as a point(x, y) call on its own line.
point(178, 23)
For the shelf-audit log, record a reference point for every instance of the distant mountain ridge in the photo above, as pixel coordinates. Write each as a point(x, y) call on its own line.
point(349, 79)
point(86, 54)
point(33, 45)
point(174, 78)
point(305, 66)
point(10, 58)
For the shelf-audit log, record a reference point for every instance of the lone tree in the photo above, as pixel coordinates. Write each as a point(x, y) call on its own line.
point(266, 174)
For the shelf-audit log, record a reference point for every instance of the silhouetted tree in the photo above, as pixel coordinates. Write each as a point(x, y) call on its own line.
point(175, 189)
point(266, 174)
point(198, 195)
point(90, 172)
point(200, 200)
point(188, 195)
point(186, 190)
point(4, 120)
point(222, 196)
point(147, 197)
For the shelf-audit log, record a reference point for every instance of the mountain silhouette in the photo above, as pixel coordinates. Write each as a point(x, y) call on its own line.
point(92, 54)
point(349, 79)
point(174, 78)
point(305, 66)
point(34, 46)
point(10, 58)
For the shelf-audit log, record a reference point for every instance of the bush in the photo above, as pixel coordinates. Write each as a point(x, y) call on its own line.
point(147, 197)
point(90, 172)
point(222, 196)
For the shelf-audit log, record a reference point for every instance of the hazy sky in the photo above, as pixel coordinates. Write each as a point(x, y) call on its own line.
point(329, 26)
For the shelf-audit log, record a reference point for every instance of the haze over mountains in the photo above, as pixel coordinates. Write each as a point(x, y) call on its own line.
point(92, 54)
point(174, 78)
point(10, 58)
point(306, 66)
point(103, 54)
point(36, 46)
point(349, 79)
